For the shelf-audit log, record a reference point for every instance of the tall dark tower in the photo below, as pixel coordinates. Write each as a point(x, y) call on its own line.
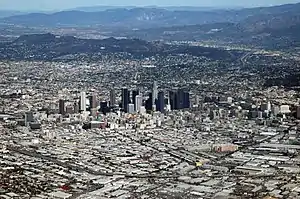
point(148, 104)
point(134, 94)
point(186, 103)
point(125, 99)
point(62, 107)
point(180, 99)
point(172, 100)
point(112, 97)
point(160, 104)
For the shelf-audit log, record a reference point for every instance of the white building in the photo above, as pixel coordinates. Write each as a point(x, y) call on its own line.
point(130, 108)
point(83, 101)
point(138, 103)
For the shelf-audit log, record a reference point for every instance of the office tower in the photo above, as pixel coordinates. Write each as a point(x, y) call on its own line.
point(130, 108)
point(112, 98)
point(29, 118)
point(160, 105)
point(180, 99)
point(172, 100)
point(125, 99)
point(154, 93)
point(62, 108)
point(186, 101)
point(148, 104)
point(82, 101)
point(134, 94)
point(138, 103)
point(93, 101)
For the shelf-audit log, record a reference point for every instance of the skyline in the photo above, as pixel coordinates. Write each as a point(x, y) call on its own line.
point(69, 4)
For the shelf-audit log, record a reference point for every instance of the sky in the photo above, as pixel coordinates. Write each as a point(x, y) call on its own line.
point(67, 4)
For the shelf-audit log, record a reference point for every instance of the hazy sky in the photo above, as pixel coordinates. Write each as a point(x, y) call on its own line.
point(64, 4)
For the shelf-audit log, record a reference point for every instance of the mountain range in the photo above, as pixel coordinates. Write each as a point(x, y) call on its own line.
point(274, 27)
point(148, 17)
point(171, 8)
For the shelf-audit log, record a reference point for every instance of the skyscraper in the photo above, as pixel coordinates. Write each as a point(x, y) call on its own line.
point(154, 93)
point(148, 104)
point(62, 107)
point(130, 108)
point(186, 100)
point(134, 94)
point(172, 100)
point(138, 103)
point(112, 100)
point(125, 99)
point(93, 101)
point(180, 99)
point(160, 105)
point(82, 101)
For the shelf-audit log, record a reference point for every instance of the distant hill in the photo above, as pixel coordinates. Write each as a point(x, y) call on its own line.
point(50, 47)
point(148, 17)
point(171, 8)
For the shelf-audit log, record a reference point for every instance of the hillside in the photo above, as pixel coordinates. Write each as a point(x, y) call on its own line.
point(50, 47)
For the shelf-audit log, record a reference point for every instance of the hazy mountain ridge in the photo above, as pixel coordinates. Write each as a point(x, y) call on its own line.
point(147, 17)
point(267, 27)
point(170, 8)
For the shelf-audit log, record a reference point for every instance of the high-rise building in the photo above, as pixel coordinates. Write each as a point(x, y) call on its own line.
point(125, 99)
point(93, 101)
point(112, 98)
point(160, 105)
point(180, 95)
point(130, 108)
point(138, 103)
point(154, 93)
point(179, 100)
point(134, 94)
point(62, 107)
point(186, 101)
point(148, 104)
point(82, 101)
point(172, 100)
